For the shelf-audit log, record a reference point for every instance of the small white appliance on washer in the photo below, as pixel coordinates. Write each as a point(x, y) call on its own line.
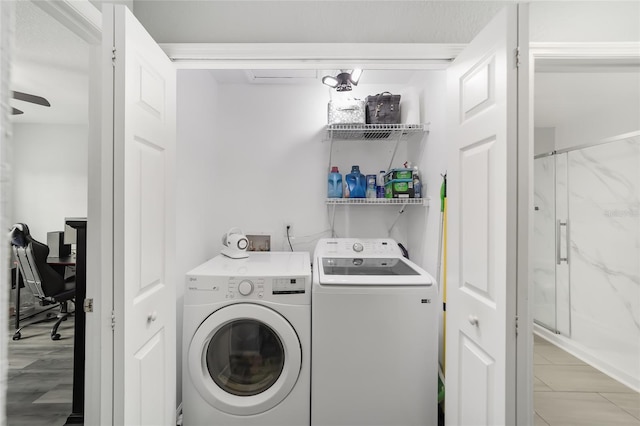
point(374, 336)
point(247, 337)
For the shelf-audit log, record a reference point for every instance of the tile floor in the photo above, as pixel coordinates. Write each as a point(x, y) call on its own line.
point(40, 376)
point(569, 392)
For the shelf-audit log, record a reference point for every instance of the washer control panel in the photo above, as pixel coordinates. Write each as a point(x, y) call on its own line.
point(368, 247)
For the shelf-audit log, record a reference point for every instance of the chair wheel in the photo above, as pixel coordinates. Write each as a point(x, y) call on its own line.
point(55, 336)
point(17, 335)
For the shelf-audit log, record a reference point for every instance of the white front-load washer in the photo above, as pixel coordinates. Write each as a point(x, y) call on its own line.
point(247, 341)
point(374, 336)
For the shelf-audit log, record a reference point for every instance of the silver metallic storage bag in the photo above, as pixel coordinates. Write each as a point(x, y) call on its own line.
point(347, 111)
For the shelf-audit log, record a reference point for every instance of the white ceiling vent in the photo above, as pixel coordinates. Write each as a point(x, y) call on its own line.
point(267, 76)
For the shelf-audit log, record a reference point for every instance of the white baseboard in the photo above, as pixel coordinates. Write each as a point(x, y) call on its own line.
point(583, 354)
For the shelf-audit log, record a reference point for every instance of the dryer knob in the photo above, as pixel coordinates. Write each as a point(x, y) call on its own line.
point(358, 247)
point(245, 287)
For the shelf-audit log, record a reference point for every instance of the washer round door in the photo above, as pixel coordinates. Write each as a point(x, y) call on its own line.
point(244, 359)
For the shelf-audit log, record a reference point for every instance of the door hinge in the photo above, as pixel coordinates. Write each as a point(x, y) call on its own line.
point(113, 320)
point(517, 57)
point(113, 56)
point(87, 306)
point(517, 326)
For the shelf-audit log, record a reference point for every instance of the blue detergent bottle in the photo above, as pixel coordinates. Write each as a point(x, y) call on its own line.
point(335, 183)
point(356, 183)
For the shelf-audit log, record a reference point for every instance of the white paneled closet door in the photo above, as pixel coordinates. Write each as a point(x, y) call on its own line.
point(142, 115)
point(482, 197)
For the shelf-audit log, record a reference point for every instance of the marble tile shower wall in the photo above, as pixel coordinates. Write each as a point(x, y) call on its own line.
point(604, 218)
point(593, 302)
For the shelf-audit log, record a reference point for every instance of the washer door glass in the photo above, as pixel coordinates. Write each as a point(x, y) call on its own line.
point(245, 357)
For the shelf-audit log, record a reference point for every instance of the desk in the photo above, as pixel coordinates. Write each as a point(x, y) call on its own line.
point(60, 263)
point(77, 406)
point(63, 261)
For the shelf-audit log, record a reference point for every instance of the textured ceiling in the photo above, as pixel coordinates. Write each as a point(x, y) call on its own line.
point(315, 21)
point(51, 61)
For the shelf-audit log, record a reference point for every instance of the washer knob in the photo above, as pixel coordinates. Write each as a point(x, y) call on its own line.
point(358, 247)
point(245, 287)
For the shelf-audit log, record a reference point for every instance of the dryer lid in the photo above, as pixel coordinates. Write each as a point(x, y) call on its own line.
point(258, 264)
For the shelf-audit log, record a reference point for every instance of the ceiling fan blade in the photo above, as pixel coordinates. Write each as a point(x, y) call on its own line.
point(16, 111)
point(38, 100)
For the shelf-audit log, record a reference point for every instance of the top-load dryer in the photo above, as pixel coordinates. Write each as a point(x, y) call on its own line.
point(247, 337)
point(374, 336)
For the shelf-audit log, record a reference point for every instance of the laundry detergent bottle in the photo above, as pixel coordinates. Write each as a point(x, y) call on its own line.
point(356, 183)
point(335, 183)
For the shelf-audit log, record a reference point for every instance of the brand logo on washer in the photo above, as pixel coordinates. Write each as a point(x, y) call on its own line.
point(425, 301)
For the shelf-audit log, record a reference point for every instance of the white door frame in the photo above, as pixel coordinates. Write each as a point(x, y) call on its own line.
point(546, 56)
point(7, 13)
point(85, 20)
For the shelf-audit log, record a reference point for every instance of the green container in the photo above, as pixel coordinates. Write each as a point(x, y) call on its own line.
point(399, 188)
point(398, 174)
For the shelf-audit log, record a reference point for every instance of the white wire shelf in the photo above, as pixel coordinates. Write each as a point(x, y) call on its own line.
point(378, 201)
point(375, 131)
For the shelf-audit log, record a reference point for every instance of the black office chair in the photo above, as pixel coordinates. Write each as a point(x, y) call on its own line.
point(47, 285)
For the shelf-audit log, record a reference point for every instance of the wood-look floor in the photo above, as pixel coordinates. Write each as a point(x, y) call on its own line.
point(40, 375)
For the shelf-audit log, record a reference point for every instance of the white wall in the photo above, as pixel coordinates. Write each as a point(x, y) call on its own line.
point(253, 156)
point(271, 166)
point(425, 223)
point(584, 21)
point(587, 106)
point(424, 228)
point(544, 140)
point(50, 175)
point(196, 241)
point(613, 113)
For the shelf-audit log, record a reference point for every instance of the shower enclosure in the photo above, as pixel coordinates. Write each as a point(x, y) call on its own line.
point(586, 253)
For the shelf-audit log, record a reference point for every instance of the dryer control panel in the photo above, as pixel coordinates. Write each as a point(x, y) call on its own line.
point(246, 288)
point(279, 277)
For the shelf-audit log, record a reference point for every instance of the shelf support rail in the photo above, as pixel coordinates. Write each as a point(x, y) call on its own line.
point(333, 221)
point(396, 219)
point(395, 150)
point(330, 150)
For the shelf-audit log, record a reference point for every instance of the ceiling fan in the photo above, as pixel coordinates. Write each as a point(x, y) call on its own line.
point(38, 100)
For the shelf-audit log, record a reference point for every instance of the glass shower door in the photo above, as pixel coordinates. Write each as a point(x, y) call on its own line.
point(544, 258)
point(551, 297)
